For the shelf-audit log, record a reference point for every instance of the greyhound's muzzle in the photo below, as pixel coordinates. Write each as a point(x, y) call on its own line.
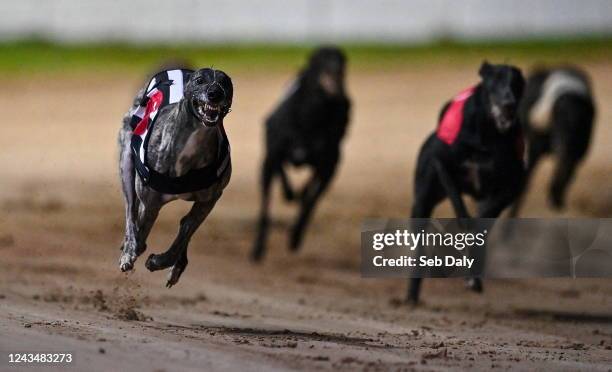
point(208, 113)
point(504, 117)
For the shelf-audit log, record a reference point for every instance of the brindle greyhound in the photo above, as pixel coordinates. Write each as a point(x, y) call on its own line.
point(187, 137)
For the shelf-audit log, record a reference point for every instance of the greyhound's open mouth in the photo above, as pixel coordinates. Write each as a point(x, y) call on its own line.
point(207, 112)
point(503, 118)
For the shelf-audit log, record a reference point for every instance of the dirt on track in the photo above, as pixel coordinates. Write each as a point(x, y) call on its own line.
point(61, 225)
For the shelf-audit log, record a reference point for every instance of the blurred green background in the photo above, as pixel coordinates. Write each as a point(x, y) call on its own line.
point(38, 56)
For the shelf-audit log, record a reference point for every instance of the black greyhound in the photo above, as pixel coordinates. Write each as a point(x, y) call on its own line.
point(305, 130)
point(557, 112)
point(477, 150)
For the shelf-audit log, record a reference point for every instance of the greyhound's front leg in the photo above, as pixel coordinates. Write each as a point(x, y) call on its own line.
point(562, 177)
point(539, 145)
point(147, 214)
point(451, 190)
point(488, 210)
point(312, 192)
point(176, 255)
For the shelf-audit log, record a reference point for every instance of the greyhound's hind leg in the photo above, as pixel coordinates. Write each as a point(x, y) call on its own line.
point(428, 192)
point(176, 255)
point(127, 174)
point(287, 189)
point(267, 173)
point(312, 192)
point(147, 214)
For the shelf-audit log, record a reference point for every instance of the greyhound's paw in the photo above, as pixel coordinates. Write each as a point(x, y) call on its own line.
point(475, 284)
point(257, 253)
point(152, 263)
point(175, 274)
point(464, 223)
point(295, 240)
point(411, 303)
point(556, 201)
point(507, 231)
point(126, 262)
point(289, 195)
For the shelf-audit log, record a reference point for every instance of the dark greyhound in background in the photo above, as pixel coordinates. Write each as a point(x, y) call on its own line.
point(557, 112)
point(476, 150)
point(173, 146)
point(305, 130)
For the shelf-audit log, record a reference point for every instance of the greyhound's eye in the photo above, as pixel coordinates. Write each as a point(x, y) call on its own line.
point(199, 80)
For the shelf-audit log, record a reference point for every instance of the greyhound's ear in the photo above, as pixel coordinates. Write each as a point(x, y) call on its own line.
point(485, 69)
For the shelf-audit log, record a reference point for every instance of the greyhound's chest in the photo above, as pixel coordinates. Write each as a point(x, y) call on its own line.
point(174, 152)
point(307, 151)
point(482, 175)
point(210, 194)
point(476, 175)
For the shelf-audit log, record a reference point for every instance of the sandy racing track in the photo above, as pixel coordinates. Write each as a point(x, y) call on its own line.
point(61, 225)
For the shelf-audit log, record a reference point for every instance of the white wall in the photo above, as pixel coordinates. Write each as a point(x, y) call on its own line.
point(300, 20)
